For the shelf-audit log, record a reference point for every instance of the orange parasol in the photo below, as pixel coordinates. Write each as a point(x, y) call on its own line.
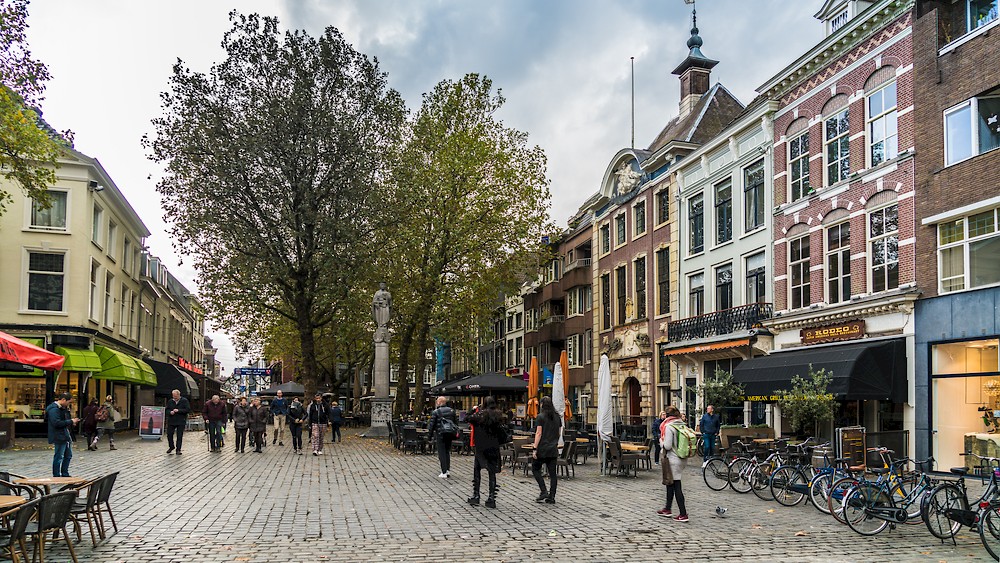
point(532, 411)
point(564, 360)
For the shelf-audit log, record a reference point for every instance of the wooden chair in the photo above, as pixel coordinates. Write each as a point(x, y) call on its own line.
point(12, 539)
point(621, 461)
point(521, 456)
point(53, 513)
point(565, 461)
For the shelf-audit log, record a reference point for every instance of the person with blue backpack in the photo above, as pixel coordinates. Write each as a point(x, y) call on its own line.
point(444, 427)
point(676, 445)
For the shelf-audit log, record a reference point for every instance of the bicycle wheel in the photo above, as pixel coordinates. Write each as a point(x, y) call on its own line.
point(857, 509)
point(716, 474)
point(787, 485)
point(739, 475)
point(819, 490)
point(837, 494)
point(944, 497)
point(906, 494)
point(760, 482)
point(989, 530)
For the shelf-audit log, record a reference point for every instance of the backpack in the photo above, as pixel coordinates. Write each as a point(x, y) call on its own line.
point(102, 414)
point(448, 427)
point(687, 441)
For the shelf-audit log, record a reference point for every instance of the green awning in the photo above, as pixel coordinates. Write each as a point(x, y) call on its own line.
point(148, 375)
point(40, 342)
point(116, 366)
point(79, 360)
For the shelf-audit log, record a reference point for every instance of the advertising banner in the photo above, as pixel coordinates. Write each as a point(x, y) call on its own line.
point(150, 422)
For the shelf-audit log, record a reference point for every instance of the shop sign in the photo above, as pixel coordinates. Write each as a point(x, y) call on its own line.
point(830, 333)
point(628, 364)
point(189, 366)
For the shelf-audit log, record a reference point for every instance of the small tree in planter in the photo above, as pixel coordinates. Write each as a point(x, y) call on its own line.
point(808, 404)
point(721, 391)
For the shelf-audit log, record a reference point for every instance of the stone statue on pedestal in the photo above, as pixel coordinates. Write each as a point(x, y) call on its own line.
point(381, 311)
point(381, 403)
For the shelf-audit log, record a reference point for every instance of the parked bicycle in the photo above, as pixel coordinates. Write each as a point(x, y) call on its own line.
point(948, 508)
point(715, 471)
point(789, 484)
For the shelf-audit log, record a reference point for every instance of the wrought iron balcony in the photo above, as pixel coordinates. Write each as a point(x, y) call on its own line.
point(728, 321)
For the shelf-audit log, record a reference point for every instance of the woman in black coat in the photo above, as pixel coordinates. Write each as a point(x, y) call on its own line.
point(489, 427)
point(258, 423)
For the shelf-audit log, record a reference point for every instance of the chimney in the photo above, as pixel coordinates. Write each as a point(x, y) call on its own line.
point(695, 72)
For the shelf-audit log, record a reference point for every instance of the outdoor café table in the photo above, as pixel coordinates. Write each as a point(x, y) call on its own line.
point(630, 447)
point(46, 483)
point(10, 501)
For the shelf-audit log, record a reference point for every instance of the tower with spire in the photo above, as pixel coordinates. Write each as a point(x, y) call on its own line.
point(695, 71)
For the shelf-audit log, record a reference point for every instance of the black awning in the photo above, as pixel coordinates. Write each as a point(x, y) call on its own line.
point(170, 377)
point(484, 384)
point(861, 371)
point(289, 388)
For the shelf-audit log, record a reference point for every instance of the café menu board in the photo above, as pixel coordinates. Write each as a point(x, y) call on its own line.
point(150, 422)
point(830, 333)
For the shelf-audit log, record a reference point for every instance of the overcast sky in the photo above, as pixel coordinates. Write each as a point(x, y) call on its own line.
point(563, 66)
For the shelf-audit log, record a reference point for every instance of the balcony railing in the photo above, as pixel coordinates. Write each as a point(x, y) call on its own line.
point(553, 319)
point(728, 321)
point(579, 263)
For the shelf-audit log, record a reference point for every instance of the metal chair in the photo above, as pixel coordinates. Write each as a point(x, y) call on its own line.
point(104, 501)
point(566, 460)
point(53, 514)
point(86, 508)
point(411, 440)
point(12, 539)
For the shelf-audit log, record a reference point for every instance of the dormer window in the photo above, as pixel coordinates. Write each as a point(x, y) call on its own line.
point(838, 21)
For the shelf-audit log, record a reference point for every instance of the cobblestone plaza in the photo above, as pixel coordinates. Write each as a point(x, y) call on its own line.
point(365, 501)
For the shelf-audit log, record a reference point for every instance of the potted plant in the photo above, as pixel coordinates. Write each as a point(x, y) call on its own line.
point(808, 404)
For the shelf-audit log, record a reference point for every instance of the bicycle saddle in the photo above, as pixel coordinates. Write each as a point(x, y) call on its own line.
point(880, 470)
point(960, 471)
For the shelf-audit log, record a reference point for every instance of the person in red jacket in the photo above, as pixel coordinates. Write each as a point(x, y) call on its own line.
point(215, 415)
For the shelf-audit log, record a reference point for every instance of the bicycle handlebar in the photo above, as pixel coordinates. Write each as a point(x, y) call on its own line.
point(983, 458)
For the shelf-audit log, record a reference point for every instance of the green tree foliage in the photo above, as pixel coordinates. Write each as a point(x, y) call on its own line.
point(29, 150)
point(721, 391)
point(476, 194)
point(274, 166)
point(809, 403)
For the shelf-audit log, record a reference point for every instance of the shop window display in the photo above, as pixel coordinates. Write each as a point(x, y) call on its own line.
point(965, 394)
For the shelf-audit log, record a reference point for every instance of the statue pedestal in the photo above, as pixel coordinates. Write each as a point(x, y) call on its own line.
point(382, 402)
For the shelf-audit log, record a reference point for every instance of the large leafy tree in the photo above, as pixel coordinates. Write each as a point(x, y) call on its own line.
point(476, 196)
point(274, 162)
point(29, 149)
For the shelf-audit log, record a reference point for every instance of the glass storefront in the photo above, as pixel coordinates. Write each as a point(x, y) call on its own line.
point(965, 394)
point(23, 397)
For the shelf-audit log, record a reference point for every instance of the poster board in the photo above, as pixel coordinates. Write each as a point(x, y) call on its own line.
point(591, 415)
point(151, 422)
point(521, 412)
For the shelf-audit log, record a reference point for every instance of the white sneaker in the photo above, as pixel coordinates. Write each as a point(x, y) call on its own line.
point(314, 453)
point(447, 474)
point(443, 476)
point(320, 452)
point(704, 464)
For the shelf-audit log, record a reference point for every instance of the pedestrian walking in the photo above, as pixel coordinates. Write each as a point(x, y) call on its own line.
point(106, 416)
point(88, 422)
point(59, 421)
point(296, 417)
point(215, 414)
point(709, 426)
point(490, 428)
point(656, 435)
point(548, 432)
point(177, 410)
point(241, 422)
point(336, 419)
point(443, 427)
point(258, 423)
point(672, 465)
point(318, 416)
point(279, 410)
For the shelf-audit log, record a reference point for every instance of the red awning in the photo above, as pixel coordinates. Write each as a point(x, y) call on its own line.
point(17, 351)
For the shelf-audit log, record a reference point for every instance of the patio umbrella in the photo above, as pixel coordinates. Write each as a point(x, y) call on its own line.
point(564, 362)
point(605, 420)
point(16, 351)
point(532, 410)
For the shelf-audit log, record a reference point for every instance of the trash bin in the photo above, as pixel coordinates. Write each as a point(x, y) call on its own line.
point(818, 459)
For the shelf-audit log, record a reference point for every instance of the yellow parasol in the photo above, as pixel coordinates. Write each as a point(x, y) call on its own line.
point(532, 411)
point(564, 360)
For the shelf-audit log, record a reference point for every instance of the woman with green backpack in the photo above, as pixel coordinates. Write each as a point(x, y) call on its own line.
point(673, 434)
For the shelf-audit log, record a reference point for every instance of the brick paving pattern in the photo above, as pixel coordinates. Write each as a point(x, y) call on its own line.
point(365, 501)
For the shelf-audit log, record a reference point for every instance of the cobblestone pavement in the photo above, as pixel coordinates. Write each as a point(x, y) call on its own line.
point(364, 501)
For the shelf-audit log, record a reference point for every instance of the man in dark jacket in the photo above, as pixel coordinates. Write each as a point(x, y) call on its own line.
point(709, 426)
point(443, 426)
point(59, 421)
point(215, 415)
point(177, 411)
point(336, 419)
point(279, 410)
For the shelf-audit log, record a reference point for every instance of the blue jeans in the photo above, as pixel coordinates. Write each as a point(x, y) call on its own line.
point(215, 433)
point(709, 446)
point(61, 459)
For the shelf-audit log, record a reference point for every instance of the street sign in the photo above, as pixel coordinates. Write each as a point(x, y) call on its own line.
point(243, 388)
point(252, 372)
